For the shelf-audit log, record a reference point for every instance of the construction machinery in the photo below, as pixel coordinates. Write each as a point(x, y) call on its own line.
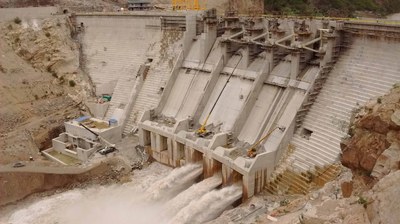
point(252, 151)
point(109, 147)
point(188, 5)
point(202, 131)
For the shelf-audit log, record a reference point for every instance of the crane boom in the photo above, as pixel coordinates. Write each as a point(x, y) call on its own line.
point(108, 144)
point(202, 130)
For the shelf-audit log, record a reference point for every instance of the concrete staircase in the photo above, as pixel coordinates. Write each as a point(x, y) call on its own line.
point(164, 56)
point(149, 96)
point(121, 95)
point(367, 70)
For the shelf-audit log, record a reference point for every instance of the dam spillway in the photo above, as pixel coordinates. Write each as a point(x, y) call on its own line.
point(274, 97)
point(259, 87)
point(294, 80)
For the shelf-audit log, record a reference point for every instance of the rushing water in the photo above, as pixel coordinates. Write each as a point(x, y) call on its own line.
point(175, 182)
point(156, 195)
point(209, 206)
point(193, 193)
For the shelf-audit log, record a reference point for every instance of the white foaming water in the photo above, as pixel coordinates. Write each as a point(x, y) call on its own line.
point(178, 180)
point(128, 203)
point(40, 209)
point(193, 193)
point(118, 204)
point(209, 206)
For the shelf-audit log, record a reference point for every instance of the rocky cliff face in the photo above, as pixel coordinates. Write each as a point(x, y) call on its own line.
point(44, 44)
point(384, 206)
point(41, 85)
point(376, 128)
point(74, 5)
point(373, 153)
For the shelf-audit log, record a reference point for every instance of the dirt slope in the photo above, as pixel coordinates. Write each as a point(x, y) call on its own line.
point(40, 86)
point(75, 5)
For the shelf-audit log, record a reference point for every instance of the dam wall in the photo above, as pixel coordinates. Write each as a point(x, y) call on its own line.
point(263, 101)
point(234, 105)
point(130, 58)
point(366, 69)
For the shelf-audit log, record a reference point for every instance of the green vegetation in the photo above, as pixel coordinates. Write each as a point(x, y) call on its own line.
point(72, 83)
point(337, 8)
point(362, 201)
point(54, 74)
point(17, 20)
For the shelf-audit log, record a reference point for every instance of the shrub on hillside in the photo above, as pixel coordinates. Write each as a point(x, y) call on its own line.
point(17, 20)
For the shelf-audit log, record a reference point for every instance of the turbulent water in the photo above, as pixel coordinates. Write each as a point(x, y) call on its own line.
point(175, 182)
point(209, 206)
point(156, 195)
point(193, 193)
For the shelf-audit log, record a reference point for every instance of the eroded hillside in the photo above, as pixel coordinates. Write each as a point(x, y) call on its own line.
point(41, 85)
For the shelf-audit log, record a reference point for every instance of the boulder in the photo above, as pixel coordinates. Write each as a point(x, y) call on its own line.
point(363, 150)
point(384, 206)
point(355, 214)
point(387, 162)
point(396, 117)
point(336, 211)
point(347, 189)
point(374, 123)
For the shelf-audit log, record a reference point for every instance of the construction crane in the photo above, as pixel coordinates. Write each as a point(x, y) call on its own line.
point(109, 147)
point(188, 5)
point(252, 151)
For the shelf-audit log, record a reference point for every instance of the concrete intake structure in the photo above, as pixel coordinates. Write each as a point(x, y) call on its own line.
point(256, 77)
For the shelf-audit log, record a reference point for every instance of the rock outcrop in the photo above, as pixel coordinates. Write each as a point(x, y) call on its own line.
point(388, 161)
point(46, 44)
point(374, 130)
point(374, 149)
point(384, 206)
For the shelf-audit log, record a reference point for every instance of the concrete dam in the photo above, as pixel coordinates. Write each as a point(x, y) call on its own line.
point(257, 101)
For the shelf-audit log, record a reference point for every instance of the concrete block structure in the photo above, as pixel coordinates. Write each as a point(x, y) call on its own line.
point(264, 101)
point(79, 143)
point(135, 67)
point(248, 83)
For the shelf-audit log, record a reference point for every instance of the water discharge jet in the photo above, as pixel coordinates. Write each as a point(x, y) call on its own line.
point(209, 206)
point(130, 202)
point(178, 180)
point(195, 192)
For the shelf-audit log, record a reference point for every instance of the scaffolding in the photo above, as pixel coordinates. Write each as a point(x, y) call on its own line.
point(188, 5)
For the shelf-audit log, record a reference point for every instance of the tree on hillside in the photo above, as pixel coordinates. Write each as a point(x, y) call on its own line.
point(331, 7)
